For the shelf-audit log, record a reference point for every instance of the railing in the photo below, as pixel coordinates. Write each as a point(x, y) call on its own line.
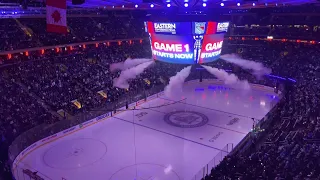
point(214, 162)
point(262, 124)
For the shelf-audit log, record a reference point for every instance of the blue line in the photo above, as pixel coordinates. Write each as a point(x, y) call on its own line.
point(211, 109)
point(270, 75)
point(227, 129)
point(169, 134)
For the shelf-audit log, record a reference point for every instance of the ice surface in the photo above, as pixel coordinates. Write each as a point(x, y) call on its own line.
point(170, 142)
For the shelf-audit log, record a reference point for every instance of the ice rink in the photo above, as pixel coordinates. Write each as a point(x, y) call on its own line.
point(168, 138)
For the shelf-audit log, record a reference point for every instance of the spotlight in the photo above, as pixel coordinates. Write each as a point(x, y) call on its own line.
point(168, 5)
point(151, 5)
point(136, 6)
point(204, 4)
point(122, 6)
point(186, 5)
point(238, 4)
point(222, 4)
point(266, 4)
point(253, 4)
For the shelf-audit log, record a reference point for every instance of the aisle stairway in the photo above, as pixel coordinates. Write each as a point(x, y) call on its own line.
point(39, 100)
point(28, 32)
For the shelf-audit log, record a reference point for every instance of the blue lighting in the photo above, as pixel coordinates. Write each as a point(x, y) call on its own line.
point(199, 89)
point(266, 4)
point(238, 4)
point(274, 76)
point(212, 87)
point(292, 80)
point(253, 4)
point(222, 4)
point(186, 4)
point(168, 5)
point(136, 6)
point(151, 5)
point(204, 4)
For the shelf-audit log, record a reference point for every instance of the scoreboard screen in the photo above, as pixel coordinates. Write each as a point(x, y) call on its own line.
point(186, 42)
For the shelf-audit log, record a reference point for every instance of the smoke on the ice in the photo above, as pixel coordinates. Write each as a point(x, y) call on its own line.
point(122, 80)
point(229, 79)
point(128, 63)
point(176, 82)
point(258, 68)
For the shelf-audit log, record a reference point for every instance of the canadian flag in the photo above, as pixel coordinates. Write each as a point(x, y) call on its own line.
point(57, 16)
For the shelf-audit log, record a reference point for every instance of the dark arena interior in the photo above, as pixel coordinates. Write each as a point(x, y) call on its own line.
point(159, 90)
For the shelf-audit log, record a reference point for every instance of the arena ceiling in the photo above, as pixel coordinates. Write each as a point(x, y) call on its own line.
point(190, 3)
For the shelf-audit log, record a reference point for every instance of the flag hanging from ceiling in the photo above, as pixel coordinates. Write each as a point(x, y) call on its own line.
point(57, 16)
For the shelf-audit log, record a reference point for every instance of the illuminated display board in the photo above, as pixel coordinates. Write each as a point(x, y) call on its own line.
point(222, 27)
point(186, 42)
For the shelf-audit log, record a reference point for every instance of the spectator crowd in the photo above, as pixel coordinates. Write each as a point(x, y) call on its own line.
point(29, 32)
point(34, 88)
point(290, 147)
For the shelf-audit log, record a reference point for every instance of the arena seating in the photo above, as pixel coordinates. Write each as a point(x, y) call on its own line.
point(30, 32)
point(35, 87)
point(291, 149)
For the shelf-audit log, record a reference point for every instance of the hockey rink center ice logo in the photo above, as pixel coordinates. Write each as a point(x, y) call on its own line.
point(186, 119)
point(165, 28)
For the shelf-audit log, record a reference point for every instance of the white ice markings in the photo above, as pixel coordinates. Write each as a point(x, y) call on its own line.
point(200, 135)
